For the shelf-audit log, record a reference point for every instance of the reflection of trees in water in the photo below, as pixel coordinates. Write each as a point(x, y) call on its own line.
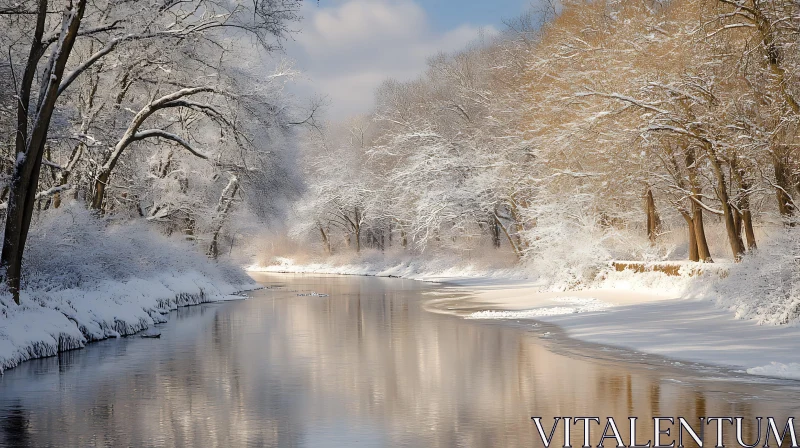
point(471, 383)
point(451, 381)
point(266, 372)
point(16, 426)
point(191, 388)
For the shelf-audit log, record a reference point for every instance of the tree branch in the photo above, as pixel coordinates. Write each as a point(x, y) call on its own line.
point(625, 99)
point(150, 133)
point(43, 194)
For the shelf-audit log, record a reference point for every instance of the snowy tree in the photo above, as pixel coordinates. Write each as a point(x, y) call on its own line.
point(102, 32)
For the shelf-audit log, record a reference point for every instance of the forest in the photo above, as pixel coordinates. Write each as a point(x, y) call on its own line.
point(154, 110)
point(586, 132)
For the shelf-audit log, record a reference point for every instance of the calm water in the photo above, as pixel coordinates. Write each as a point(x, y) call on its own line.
point(366, 366)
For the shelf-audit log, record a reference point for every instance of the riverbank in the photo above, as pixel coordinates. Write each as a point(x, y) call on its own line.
point(46, 323)
point(690, 329)
point(86, 280)
point(680, 317)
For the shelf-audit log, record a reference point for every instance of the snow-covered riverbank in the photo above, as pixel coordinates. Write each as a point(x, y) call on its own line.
point(686, 329)
point(86, 281)
point(680, 317)
point(48, 322)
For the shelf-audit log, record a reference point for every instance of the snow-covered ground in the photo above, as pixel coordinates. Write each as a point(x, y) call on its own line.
point(687, 329)
point(86, 280)
point(681, 317)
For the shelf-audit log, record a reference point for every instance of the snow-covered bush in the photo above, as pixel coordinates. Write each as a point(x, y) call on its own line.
point(87, 279)
point(71, 247)
point(566, 245)
point(765, 286)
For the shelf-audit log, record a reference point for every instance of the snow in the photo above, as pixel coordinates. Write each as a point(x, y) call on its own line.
point(376, 263)
point(685, 317)
point(765, 286)
point(579, 305)
point(686, 329)
point(87, 280)
point(776, 369)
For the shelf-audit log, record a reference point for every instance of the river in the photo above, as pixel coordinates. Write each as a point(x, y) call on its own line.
point(366, 365)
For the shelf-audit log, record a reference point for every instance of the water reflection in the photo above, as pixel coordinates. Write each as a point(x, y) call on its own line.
point(366, 366)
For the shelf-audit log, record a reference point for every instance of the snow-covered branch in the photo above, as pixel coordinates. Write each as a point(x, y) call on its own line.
point(43, 194)
point(160, 133)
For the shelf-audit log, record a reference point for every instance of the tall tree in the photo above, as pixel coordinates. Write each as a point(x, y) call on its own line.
point(30, 145)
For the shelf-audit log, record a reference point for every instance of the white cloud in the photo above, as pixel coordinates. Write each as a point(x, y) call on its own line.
point(362, 24)
point(348, 49)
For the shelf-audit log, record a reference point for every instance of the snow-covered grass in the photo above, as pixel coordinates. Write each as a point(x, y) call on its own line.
point(87, 280)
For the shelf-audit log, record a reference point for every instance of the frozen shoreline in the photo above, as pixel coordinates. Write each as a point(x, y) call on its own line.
point(653, 314)
point(683, 329)
point(87, 280)
point(47, 323)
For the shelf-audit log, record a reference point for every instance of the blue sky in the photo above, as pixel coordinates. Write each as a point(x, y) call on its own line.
point(346, 48)
point(448, 14)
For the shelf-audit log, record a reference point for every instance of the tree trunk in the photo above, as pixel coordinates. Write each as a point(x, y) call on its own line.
point(30, 149)
point(744, 215)
point(325, 241)
point(63, 176)
point(494, 227)
point(734, 239)
point(226, 200)
point(703, 252)
point(749, 233)
point(57, 199)
point(357, 229)
point(785, 204)
point(522, 244)
point(517, 251)
point(99, 190)
point(694, 255)
point(652, 216)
